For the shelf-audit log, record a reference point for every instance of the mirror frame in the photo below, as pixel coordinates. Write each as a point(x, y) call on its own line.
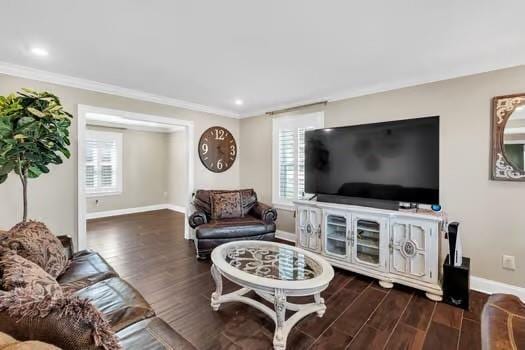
point(502, 109)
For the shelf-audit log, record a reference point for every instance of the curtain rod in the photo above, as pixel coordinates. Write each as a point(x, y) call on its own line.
point(279, 111)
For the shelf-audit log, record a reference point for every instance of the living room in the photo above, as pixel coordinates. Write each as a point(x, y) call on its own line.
point(230, 117)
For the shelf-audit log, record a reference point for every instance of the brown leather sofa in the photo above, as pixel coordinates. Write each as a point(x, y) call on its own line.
point(132, 319)
point(503, 323)
point(258, 222)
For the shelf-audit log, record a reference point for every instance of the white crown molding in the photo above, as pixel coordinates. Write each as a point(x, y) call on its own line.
point(384, 87)
point(66, 80)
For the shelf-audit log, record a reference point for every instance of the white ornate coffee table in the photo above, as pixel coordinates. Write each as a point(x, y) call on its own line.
point(274, 271)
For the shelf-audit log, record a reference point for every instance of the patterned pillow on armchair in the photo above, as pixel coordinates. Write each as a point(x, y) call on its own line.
point(225, 205)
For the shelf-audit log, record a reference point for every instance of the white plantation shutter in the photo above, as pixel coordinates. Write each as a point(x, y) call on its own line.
point(287, 164)
point(103, 157)
point(289, 136)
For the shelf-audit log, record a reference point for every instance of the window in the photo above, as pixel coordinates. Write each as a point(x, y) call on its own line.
point(103, 156)
point(288, 155)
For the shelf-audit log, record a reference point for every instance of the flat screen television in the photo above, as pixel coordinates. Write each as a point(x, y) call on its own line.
point(392, 161)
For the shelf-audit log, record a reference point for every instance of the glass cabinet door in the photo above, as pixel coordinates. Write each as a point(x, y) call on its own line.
point(336, 243)
point(367, 241)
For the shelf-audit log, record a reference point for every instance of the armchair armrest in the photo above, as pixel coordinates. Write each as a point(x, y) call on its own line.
point(264, 212)
point(197, 218)
point(67, 242)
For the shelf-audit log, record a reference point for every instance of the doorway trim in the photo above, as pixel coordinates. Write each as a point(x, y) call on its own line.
point(81, 135)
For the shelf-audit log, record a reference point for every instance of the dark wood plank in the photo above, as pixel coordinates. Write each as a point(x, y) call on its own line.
point(419, 312)
point(470, 336)
point(335, 306)
point(441, 337)
point(149, 251)
point(477, 301)
point(448, 315)
point(369, 338)
point(358, 313)
point(390, 310)
point(332, 339)
point(406, 337)
point(298, 340)
point(341, 279)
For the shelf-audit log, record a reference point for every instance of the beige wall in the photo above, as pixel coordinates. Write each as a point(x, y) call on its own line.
point(177, 165)
point(145, 164)
point(490, 212)
point(53, 197)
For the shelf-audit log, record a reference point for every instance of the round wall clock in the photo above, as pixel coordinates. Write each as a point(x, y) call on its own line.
point(217, 149)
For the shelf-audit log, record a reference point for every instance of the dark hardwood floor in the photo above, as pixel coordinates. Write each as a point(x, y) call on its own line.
point(149, 251)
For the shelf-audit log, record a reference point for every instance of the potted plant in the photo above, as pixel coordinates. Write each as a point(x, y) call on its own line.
point(34, 132)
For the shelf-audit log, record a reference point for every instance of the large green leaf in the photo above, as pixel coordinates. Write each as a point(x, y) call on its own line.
point(34, 172)
point(3, 178)
point(34, 132)
point(7, 168)
point(36, 112)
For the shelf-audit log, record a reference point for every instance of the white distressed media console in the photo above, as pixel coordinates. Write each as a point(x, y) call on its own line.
point(392, 246)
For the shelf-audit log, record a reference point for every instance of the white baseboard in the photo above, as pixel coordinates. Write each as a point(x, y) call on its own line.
point(492, 287)
point(177, 208)
point(285, 236)
point(108, 213)
point(476, 283)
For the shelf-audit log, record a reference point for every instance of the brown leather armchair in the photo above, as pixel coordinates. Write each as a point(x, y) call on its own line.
point(503, 323)
point(256, 223)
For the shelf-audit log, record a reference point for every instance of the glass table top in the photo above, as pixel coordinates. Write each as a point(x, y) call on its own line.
point(277, 263)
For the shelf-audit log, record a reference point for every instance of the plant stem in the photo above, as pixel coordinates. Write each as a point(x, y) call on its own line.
point(23, 178)
point(24, 185)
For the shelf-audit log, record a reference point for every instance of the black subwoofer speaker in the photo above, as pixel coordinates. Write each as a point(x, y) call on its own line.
point(456, 283)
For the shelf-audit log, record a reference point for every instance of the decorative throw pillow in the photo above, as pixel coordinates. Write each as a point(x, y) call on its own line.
point(226, 205)
point(9, 343)
point(22, 273)
point(33, 241)
point(68, 322)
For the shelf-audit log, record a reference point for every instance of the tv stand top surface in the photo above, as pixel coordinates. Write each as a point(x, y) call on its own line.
point(420, 213)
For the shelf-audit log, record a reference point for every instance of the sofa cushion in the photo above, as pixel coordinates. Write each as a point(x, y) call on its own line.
point(226, 205)
point(85, 268)
point(22, 273)
point(233, 228)
point(120, 303)
point(152, 334)
point(68, 322)
point(36, 243)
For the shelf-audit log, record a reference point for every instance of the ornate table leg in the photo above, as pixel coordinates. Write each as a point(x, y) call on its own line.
point(320, 301)
point(279, 338)
point(215, 296)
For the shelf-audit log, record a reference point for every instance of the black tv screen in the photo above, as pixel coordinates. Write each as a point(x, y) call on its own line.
point(395, 161)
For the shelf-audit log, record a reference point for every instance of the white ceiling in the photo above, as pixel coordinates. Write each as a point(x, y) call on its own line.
point(270, 53)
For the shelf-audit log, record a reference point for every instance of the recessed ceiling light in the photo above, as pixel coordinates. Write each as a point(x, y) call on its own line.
point(38, 51)
point(238, 102)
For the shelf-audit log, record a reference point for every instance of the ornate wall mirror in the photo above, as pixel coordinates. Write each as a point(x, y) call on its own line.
point(508, 138)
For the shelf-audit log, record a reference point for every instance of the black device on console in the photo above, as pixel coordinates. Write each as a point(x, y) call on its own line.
point(452, 236)
point(456, 271)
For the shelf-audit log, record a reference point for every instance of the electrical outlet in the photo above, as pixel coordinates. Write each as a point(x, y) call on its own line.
point(508, 262)
point(165, 194)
